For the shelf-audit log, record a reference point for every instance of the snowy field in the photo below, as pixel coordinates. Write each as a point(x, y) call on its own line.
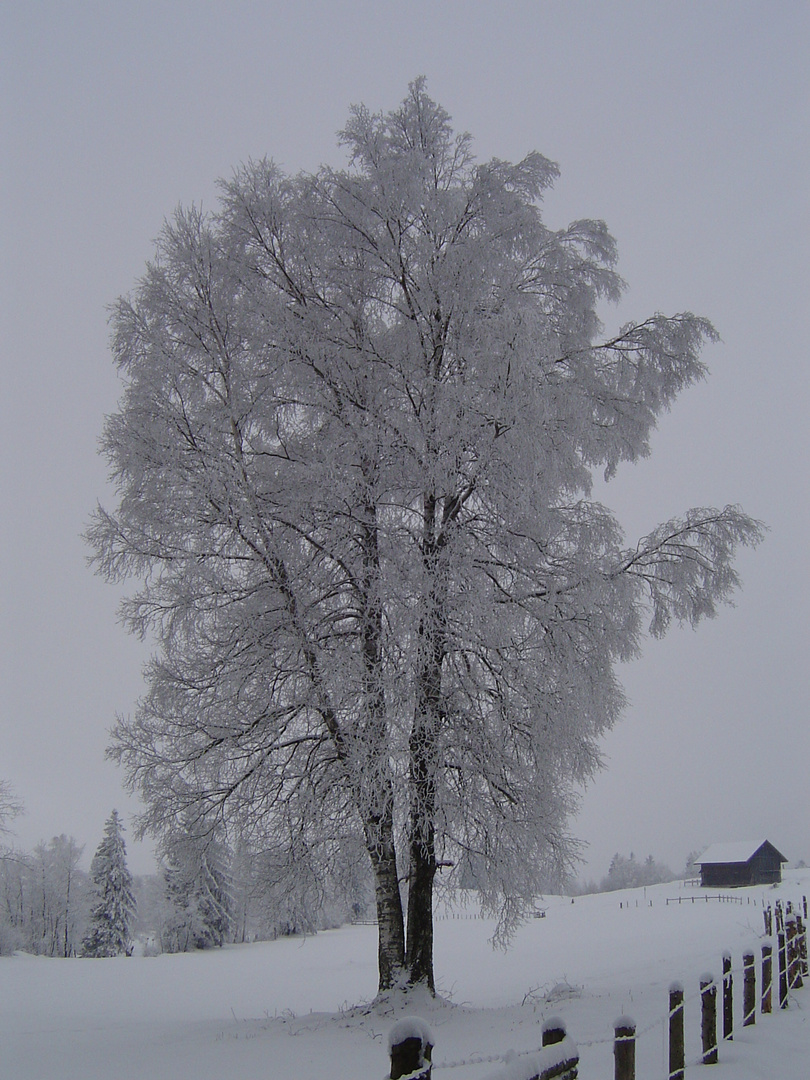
point(294, 1007)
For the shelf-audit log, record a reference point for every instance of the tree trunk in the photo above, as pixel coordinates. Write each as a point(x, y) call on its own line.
point(379, 819)
point(379, 833)
point(423, 764)
point(67, 915)
point(422, 846)
point(419, 954)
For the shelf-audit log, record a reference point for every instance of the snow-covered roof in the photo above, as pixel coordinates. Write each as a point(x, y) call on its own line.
point(739, 852)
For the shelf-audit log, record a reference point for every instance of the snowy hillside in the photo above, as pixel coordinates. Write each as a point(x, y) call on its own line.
point(284, 1009)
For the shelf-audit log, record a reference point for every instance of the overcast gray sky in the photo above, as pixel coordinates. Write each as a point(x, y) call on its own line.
point(685, 125)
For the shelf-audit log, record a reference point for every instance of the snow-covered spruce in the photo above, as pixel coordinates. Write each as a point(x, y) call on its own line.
point(113, 903)
point(198, 895)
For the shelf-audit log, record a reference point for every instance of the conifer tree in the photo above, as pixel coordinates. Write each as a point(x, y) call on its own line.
point(198, 895)
point(113, 902)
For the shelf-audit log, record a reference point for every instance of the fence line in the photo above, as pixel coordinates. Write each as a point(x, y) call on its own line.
point(723, 898)
point(411, 1043)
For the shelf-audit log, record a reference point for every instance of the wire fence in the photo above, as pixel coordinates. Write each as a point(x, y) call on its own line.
point(558, 1056)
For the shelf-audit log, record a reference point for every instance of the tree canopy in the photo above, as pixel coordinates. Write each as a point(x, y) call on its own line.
point(353, 458)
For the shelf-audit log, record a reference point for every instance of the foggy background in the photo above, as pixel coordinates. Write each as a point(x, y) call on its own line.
point(685, 126)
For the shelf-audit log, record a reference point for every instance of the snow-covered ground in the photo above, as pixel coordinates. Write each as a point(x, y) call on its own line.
point(288, 1008)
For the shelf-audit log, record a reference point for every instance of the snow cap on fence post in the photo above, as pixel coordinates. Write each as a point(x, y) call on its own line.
point(553, 1030)
point(410, 1044)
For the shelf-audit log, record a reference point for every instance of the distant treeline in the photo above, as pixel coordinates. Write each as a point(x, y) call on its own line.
point(204, 894)
point(626, 872)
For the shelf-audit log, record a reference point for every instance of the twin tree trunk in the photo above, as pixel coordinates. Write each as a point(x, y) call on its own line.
point(409, 960)
point(401, 965)
point(412, 963)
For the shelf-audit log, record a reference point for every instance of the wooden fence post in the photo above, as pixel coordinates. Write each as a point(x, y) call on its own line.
point(728, 999)
point(794, 952)
point(749, 990)
point(708, 1019)
point(767, 978)
point(783, 980)
point(553, 1031)
point(565, 1068)
point(677, 1060)
point(803, 944)
point(624, 1049)
point(410, 1044)
point(790, 948)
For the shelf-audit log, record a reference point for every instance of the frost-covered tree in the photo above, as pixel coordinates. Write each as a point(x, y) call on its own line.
point(14, 888)
point(10, 806)
point(198, 911)
point(277, 895)
point(112, 905)
point(12, 873)
point(692, 867)
point(353, 459)
point(43, 898)
point(626, 873)
point(56, 897)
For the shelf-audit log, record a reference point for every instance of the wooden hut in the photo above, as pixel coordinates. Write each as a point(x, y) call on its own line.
point(728, 866)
